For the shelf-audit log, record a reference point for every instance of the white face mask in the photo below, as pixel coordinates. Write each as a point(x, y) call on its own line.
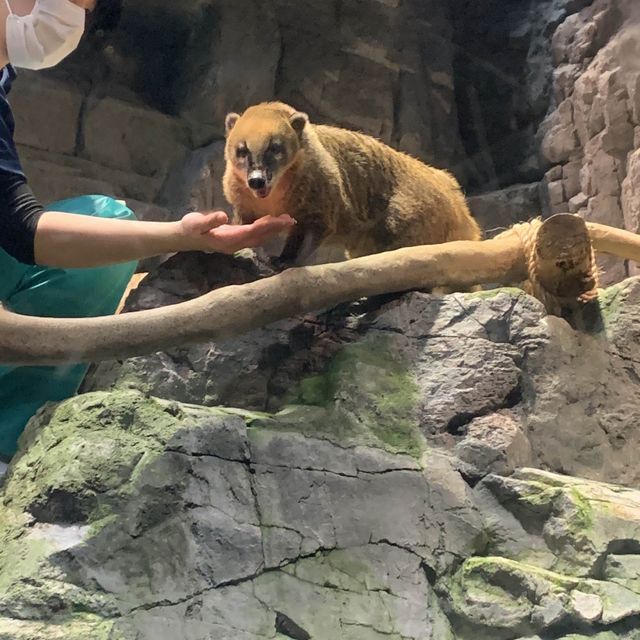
point(47, 35)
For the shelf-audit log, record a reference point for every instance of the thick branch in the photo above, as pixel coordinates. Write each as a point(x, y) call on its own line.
point(616, 242)
point(234, 310)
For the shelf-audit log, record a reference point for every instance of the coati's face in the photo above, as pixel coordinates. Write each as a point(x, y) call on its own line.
point(262, 144)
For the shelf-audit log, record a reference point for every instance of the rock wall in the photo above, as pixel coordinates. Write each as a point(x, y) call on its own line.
point(592, 137)
point(365, 475)
point(139, 111)
point(503, 75)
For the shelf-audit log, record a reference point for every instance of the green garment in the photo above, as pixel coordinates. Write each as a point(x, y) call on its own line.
point(54, 293)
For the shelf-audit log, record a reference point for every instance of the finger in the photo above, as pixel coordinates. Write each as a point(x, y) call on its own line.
point(274, 222)
point(196, 222)
point(212, 220)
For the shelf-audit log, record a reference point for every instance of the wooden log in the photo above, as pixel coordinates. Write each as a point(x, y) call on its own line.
point(233, 310)
point(563, 262)
point(615, 242)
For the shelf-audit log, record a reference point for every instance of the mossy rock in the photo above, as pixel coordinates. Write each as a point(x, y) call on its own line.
point(365, 396)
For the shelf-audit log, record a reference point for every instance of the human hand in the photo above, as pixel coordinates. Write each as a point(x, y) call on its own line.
point(211, 231)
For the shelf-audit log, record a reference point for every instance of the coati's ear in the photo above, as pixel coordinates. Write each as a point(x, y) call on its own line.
point(230, 121)
point(299, 121)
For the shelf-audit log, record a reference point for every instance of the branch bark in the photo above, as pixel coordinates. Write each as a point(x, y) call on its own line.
point(615, 242)
point(233, 310)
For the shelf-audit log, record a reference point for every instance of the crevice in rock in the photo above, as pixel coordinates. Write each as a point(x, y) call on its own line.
point(190, 454)
point(232, 583)
point(457, 424)
point(620, 547)
point(429, 573)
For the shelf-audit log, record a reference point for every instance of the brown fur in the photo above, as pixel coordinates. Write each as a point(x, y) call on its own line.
point(345, 189)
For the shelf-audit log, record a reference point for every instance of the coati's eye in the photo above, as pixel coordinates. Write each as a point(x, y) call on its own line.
point(242, 152)
point(276, 148)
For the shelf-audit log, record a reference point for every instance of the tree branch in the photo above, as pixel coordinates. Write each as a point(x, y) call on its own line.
point(560, 246)
point(234, 310)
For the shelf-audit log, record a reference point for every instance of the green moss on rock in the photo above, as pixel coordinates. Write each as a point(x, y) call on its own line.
point(75, 453)
point(80, 627)
point(581, 520)
point(610, 300)
point(366, 395)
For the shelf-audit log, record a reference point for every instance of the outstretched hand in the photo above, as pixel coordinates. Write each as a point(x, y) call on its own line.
point(211, 231)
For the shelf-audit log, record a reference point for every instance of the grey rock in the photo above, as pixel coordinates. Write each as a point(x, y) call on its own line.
point(587, 605)
point(597, 105)
point(59, 131)
point(498, 210)
point(623, 570)
point(494, 443)
point(204, 537)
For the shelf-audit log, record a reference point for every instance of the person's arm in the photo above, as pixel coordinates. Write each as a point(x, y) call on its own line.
point(68, 240)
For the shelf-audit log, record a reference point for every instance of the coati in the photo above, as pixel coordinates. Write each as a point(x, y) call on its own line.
point(350, 194)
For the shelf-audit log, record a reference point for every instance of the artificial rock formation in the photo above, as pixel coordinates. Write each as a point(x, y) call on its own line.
point(364, 474)
point(401, 468)
point(592, 137)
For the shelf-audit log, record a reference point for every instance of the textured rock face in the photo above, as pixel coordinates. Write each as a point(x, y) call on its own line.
point(503, 77)
point(560, 558)
point(196, 523)
point(132, 518)
point(591, 137)
point(452, 368)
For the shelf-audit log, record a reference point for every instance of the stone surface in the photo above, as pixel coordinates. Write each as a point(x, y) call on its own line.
point(498, 210)
point(130, 517)
point(488, 373)
point(545, 559)
point(62, 113)
point(168, 520)
point(591, 131)
point(503, 99)
point(136, 139)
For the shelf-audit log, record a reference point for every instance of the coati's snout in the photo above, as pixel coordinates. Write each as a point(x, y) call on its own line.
point(262, 144)
point(258, 179)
